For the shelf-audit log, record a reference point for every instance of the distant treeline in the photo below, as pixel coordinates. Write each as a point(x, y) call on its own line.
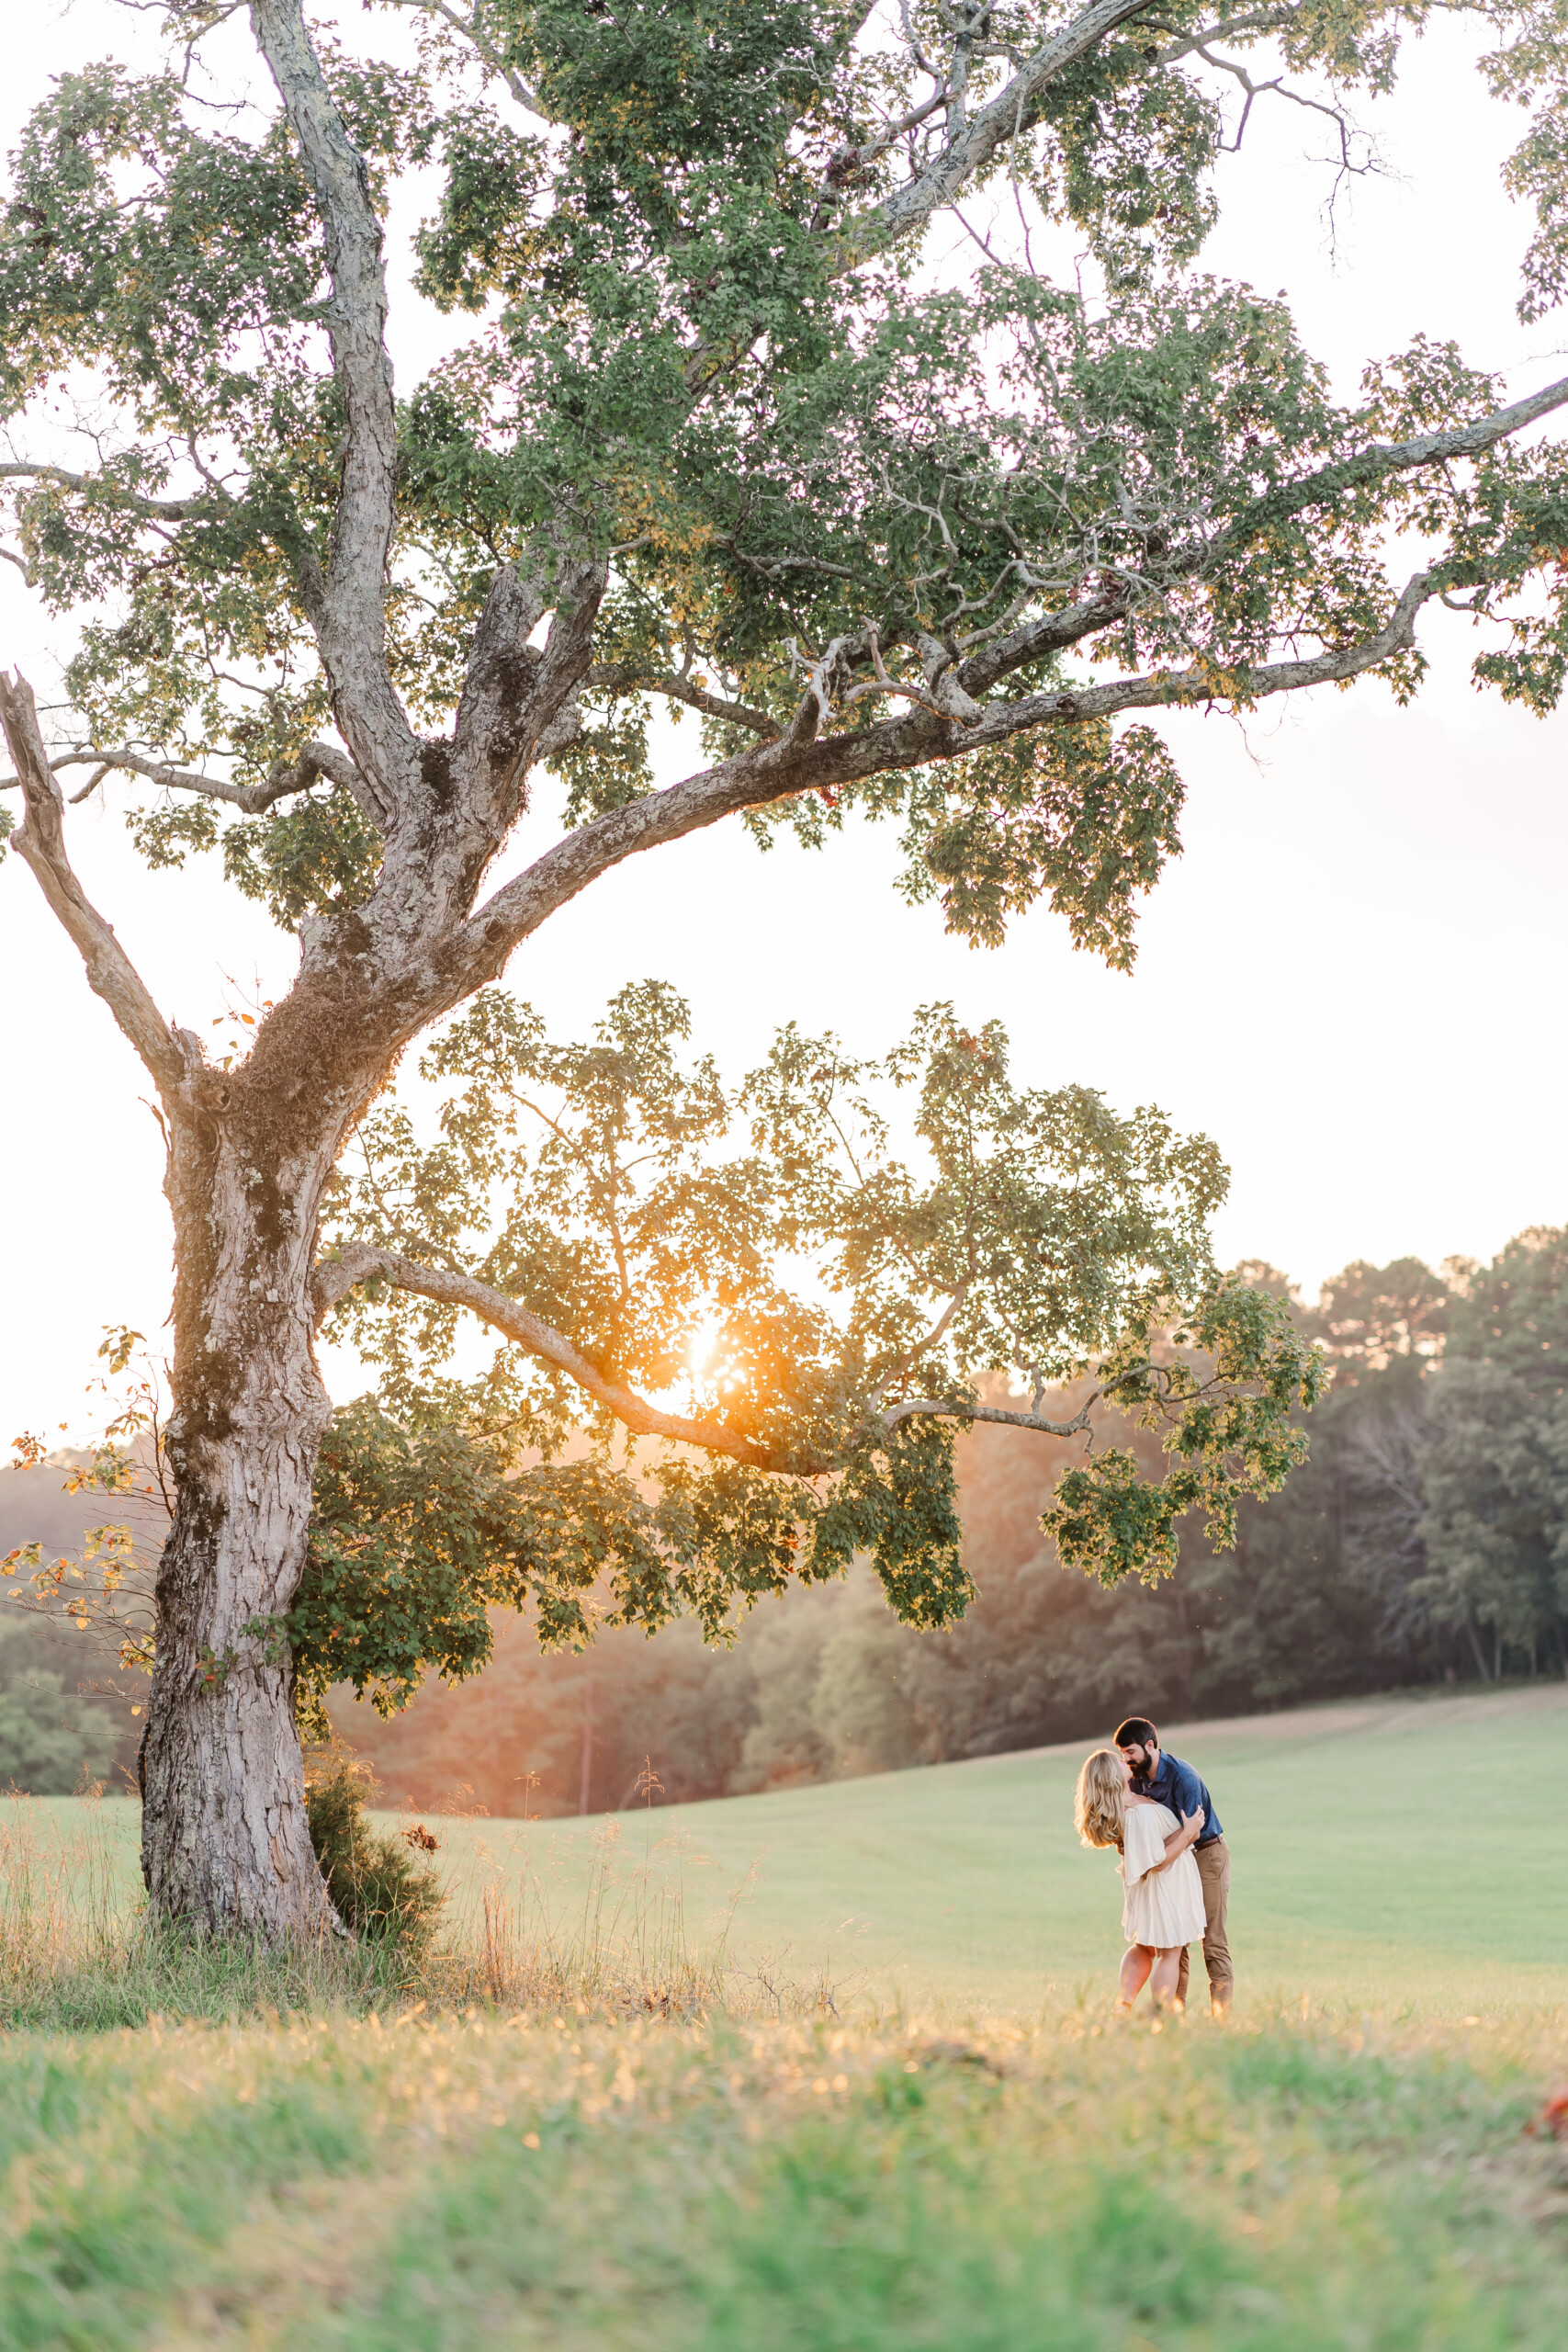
point(1426, 1539)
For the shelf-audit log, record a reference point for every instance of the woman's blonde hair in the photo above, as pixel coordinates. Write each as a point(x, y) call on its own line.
point(1100, 1806)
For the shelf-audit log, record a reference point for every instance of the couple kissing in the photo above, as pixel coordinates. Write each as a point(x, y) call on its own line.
point(1175, 1865)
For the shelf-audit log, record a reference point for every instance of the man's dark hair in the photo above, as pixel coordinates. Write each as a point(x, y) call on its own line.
point(1137, 1732)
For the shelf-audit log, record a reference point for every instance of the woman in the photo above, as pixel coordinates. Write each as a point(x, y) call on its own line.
point(1164, 1904)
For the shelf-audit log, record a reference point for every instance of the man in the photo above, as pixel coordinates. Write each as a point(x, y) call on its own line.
point(1175, 1784)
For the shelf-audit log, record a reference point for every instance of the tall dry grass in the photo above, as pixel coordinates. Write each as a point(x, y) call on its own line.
point(62, 1906)
point(621, 1944)
point(81, 1951)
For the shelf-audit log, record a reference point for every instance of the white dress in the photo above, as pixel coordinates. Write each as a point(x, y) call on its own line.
point(1163, 1907)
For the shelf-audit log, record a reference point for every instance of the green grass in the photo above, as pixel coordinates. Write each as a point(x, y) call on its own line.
point(1039, 2185)
point(970, 2157)
point(1380, 1851)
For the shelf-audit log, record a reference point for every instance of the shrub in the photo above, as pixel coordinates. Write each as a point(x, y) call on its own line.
point(377, 1888)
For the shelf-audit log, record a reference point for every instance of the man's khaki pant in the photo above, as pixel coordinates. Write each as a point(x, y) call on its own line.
point(1214, 1862)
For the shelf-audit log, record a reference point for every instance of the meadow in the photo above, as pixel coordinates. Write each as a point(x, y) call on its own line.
point(1393, 1849)
point(883, 2104)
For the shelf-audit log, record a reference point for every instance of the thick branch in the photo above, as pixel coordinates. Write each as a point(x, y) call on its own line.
point(803, 761)
point(358, 1262)
point(519, 702)
point(347, 607)
point(1055, 631)
point(967, 148)
point(977, 138)
point(1382, 457)
point(41, 842)
point(1242, 685)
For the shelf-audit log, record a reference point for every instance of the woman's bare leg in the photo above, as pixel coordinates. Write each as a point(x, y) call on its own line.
point(1163, 1981)
point(1136, 1963)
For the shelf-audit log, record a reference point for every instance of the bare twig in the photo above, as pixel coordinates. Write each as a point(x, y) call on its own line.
point(316, 760)
point(164, 510)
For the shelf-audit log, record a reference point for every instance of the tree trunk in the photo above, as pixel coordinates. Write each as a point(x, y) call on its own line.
point(225, 1843)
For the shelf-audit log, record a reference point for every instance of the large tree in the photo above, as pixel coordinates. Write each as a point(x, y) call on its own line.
point(906, 541)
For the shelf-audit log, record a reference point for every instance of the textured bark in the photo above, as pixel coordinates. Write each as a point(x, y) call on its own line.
point(224, 1840)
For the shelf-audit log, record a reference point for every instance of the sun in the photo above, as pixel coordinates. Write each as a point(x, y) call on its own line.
point(710, 1358)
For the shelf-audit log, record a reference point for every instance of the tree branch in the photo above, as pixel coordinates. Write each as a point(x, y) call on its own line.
point(1244, 684)
point(297, 775)
point(920, 1348)
point(1382, 457)
point(347, 605)
point(626, 678)
point(944, 1410)
point(977, 138)
point(41, 842)
point(1266, 20)
point(1055, 631)
point(525, 98)
point(518, 702)
point(162, 509)
point(358, 1262)
point(802, 761)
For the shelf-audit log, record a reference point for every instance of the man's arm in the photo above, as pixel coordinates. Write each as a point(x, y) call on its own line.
point(1180, 1840)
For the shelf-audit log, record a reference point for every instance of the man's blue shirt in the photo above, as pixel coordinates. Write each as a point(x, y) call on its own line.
point(1176, 1784)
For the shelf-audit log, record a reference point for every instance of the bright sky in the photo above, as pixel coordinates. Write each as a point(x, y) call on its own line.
point(1352, 979)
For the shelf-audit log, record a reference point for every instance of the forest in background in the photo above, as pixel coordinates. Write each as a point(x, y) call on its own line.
point(1426, 1539)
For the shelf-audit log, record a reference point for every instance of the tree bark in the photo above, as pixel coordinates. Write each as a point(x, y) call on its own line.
point(225, 1842)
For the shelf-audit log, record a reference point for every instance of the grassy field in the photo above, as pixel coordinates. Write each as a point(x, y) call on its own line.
point(1379, 1850)
point(969, 2157)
